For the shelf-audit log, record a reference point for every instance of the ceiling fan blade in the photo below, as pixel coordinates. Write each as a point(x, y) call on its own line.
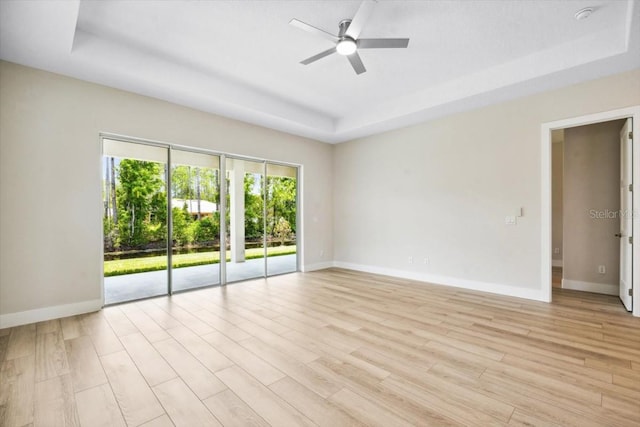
point(313, 30)
point(382, 43)
point(360, 19)
point(321, 55)
point(356, 63)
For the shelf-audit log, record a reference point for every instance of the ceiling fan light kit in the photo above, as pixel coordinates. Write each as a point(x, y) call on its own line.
point(347, 42)
point(346, 46)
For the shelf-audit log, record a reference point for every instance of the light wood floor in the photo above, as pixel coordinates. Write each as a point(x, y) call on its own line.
point(329, 348)
point(556, 277)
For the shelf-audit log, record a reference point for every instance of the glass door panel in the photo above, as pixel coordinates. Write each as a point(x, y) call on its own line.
point(134, 221)
point(281, 218)
point(195, 201)
point(245, 219)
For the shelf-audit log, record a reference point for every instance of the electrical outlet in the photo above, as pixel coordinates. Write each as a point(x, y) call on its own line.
point(602, 269)
point(410, 260)
point(425, 261)
point(510, 220)
point(556, 250)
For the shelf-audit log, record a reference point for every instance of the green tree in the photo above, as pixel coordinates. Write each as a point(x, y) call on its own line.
point(112, 191)
point(139, 190)
point(281, 203)
point(181, 182)
point(156, 227)
point(282, 230)
point(182, 231)
point(253, 207)
point(110, 214)
point(209, 185)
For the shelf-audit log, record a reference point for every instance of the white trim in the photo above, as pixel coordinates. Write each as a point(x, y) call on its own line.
point(556, 263)
point(317, 266)
point(545, 214)
point(545, 191)
point(598, 288)
point(300, 233)
point(494, 288)
point(48, 313)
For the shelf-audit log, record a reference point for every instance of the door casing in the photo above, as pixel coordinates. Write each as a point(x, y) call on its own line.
point(545, 191)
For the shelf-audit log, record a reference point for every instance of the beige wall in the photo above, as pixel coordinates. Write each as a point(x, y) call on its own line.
point(557, 149)
point(591, 186)
point(439, 190)
point(442, 189)
point(50, 180)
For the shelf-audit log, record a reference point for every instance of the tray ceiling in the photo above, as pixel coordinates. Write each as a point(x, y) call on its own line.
point(240, 59)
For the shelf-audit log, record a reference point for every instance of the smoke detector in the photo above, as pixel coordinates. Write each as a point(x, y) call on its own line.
point(583, 14)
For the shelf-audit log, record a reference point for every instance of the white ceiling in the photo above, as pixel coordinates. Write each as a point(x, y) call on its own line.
point(241, 58)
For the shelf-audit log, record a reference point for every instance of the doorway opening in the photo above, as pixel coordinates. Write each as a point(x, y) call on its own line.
point(590, 210)
point(588, 169)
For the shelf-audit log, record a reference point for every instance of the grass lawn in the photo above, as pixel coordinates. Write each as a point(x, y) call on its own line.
point(140, 265)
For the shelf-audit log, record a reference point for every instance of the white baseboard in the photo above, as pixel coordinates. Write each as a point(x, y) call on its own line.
point(598, 288)
point(47, 313)
point(317, 266)
point(495, 288)
point(556, 263)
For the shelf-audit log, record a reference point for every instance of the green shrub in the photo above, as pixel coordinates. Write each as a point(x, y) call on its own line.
point(182, 230)
point(155, 232)
point(282, 230)
point(206, 230)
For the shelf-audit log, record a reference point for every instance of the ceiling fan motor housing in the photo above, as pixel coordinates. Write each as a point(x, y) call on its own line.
point(343, 26)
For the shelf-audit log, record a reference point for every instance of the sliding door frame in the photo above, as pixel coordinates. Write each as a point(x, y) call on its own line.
point(167, 181)
point(223, 202)
point(298, 169)
point(265, 164)
point(169, 224)
point(223, 219)
point(265, 248)
point(264, 211)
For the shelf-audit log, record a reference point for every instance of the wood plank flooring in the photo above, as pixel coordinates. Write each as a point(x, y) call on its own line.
point(556, 277)
point(329, 348)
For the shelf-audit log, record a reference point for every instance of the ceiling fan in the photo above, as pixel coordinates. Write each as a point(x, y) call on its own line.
point(347, 42)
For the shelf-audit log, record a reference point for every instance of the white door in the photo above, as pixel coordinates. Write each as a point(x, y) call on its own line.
point(626, 217)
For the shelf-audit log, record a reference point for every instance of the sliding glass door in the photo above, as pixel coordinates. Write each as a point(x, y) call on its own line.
point(195, 214)
point(281, 218)
point(245, 214)
point(177, 219)
point(134, 221)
